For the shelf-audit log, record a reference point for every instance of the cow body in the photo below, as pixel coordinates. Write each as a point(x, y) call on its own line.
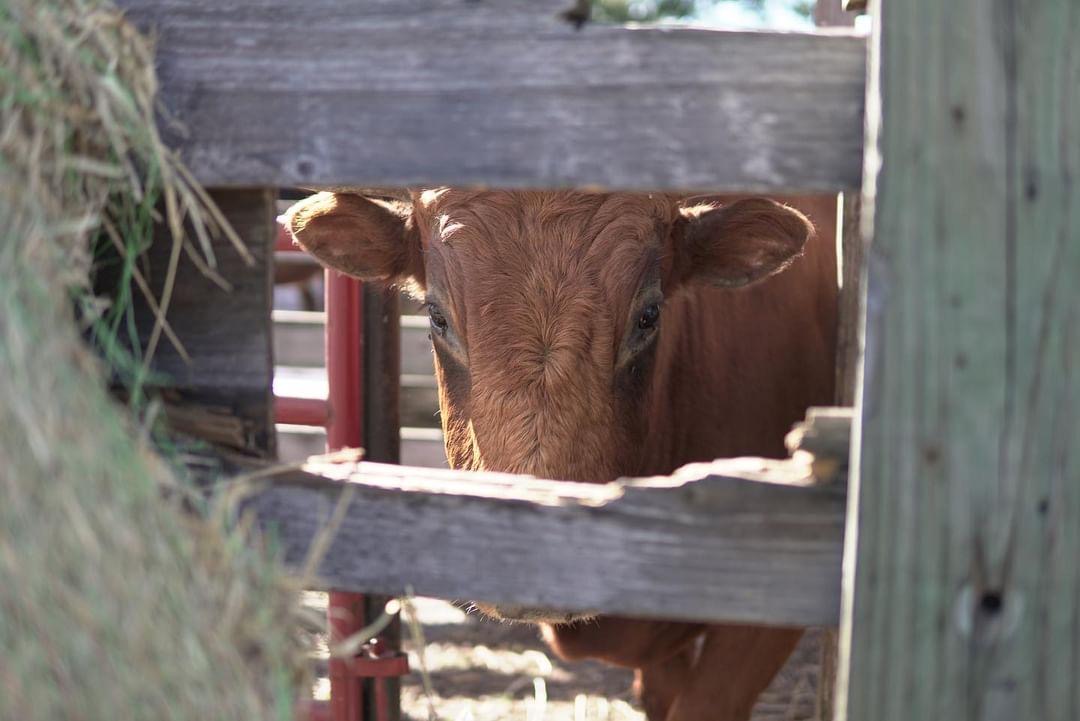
point(591, 336)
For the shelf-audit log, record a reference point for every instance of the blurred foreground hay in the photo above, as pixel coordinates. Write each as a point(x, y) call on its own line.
point(113, 605)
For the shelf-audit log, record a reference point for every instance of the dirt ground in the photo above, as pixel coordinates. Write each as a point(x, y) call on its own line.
point(480, 670)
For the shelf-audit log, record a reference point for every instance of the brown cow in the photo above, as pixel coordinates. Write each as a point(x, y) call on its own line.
point(587, 336)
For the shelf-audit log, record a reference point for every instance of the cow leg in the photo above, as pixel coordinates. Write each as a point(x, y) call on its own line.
point(737, 663)
point(660, 652)
point(657, 685)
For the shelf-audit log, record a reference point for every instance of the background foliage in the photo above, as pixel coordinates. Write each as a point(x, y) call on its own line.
point(700, 11)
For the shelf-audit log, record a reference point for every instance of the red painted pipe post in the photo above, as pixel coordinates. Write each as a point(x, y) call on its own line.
point(344, 368)
point(344, 361)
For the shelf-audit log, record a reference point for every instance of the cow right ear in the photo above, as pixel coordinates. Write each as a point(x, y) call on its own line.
point(374, 240)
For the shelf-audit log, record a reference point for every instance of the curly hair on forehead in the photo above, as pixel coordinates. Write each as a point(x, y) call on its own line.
point(567, 214)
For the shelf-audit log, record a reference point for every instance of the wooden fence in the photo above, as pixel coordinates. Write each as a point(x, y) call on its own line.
point(748, 540)
point(961, 595)
point(963, 583)
point(368, 93)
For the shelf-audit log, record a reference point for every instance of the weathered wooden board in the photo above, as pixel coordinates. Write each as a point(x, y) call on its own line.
point(966, 583)
point(499, 93)
point(714, 541)
point(420, 13)
point(848, 352)
point(417, 357)
point(298, 340)
point(849, 336)
point(226, 333)
point(848, 362)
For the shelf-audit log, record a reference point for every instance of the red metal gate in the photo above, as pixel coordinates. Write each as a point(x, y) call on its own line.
point(342, 416)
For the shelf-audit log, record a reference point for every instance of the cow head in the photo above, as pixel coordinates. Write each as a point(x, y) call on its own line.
point(546, 308)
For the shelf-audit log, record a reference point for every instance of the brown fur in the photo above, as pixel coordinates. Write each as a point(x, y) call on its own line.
point(541, 293)
point(359, 236)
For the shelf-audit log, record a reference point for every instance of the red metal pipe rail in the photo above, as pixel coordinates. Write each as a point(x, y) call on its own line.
point(344, 369)
point(342, 416)
point(301, 411)
point(344, 361)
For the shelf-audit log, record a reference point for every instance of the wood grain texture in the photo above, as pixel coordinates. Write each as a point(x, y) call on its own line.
point(849, 353)
point(966, 586)
point(226, 333)
point(417, 357)
point(849, 338)
point(419, 13)
point(298, 337)
point(336, 93)
point(848, 349)
point(736, 540)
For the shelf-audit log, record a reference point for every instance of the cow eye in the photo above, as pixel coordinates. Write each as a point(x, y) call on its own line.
point(649, 317)
point(438, 320)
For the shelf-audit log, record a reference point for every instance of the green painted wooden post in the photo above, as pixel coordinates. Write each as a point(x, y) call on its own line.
point(962, 594)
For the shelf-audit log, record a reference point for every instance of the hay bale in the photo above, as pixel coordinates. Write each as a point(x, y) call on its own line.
point(112, 603)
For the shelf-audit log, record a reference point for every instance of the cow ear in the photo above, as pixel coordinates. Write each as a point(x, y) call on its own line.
point(370, 239)
point(734, 245)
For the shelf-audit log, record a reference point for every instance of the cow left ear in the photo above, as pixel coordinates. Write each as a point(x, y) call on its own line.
point(737, 244)
point(374, 240)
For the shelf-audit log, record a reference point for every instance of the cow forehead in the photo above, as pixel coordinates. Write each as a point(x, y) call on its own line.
point(574, 241)
point(538, 217)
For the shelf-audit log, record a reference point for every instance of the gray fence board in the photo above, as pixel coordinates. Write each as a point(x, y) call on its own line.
point(226, 333)
point(343, 94)
point(714, 541)
point(963, 591)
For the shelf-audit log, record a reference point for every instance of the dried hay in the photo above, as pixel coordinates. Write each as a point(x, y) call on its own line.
point(113, 605)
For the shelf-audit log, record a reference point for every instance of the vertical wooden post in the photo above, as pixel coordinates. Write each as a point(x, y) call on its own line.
point(848, 360)
point(962, 599)
point(226, 333)
point(831, 13)
point(849, 333)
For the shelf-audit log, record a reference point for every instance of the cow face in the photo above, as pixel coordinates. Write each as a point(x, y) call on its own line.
point(547, 308)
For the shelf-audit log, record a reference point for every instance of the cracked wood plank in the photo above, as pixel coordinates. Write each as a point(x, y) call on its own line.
point(744, 540)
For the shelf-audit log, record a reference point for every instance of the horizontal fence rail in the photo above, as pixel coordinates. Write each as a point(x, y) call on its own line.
point(742, 540)
point(500, 93)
